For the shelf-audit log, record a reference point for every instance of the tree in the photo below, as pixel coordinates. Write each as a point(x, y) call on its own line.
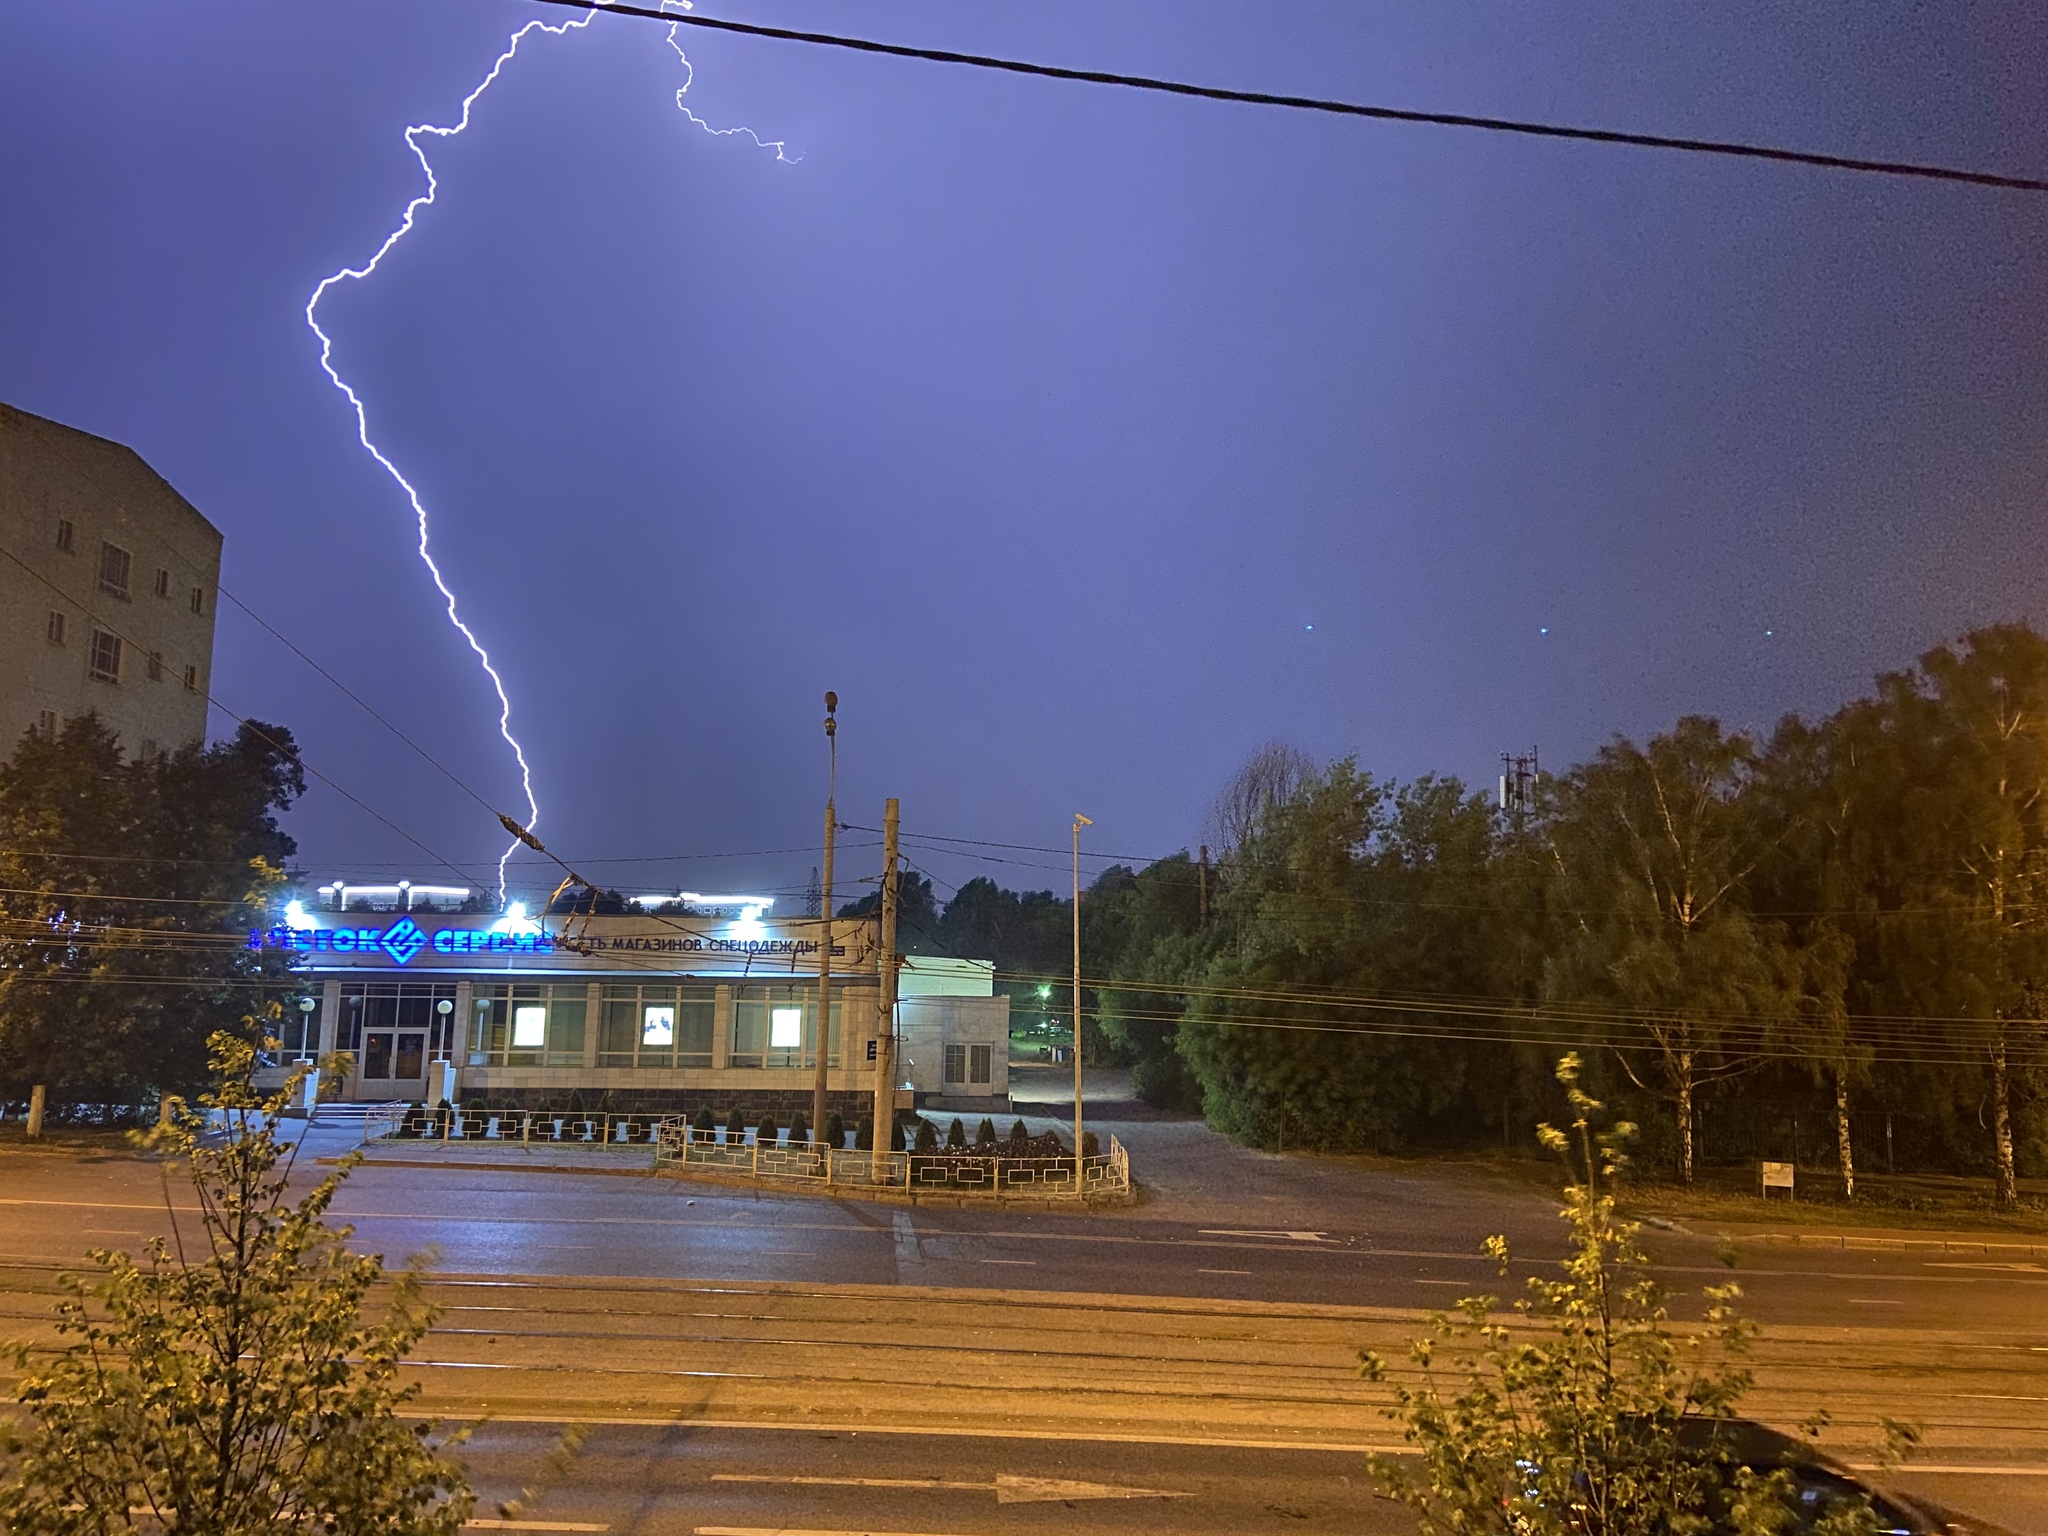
point(1270, 777)
point(1588, 1417)
point(232, 1385)
point(1352, 898)
point(1982, 854)
point(1651, 848)
point(119, 876)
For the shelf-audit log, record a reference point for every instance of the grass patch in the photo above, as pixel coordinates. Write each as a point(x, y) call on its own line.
point(1929, 1202)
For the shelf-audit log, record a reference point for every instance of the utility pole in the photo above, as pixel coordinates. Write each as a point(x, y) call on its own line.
point(1080, 1175)
point(885, 1004)
point(825, 927)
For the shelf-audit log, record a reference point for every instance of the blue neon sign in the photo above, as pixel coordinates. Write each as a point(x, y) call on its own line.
point(401, 942)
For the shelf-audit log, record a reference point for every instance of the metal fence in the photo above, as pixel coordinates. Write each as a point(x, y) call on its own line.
point(416, 1122)
point(678, 1145)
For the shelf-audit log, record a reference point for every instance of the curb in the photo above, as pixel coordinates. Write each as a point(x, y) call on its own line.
point(478, 1167)
point(1846, 1240)
point(873, 1195)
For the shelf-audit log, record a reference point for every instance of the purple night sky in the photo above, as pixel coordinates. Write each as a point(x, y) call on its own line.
point(1081, 440)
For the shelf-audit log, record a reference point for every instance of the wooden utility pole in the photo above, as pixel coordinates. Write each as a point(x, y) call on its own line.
point(885, 1005)
point(825, 929)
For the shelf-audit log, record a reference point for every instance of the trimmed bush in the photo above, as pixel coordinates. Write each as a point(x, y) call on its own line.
point(736, 1125)
point(705, 1123)
point(927, 1137)
point(766, 1132)
point(864, 1136)
point(835, 1131)
point(1018, 1133)
point(985, 1133)
point(956, 1135)
point(1090, 1146)
point(799, 1129)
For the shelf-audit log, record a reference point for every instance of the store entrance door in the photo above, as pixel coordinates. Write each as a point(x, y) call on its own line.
point(394, 1064)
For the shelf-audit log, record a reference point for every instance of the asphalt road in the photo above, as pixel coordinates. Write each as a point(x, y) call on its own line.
point(1211, 1330)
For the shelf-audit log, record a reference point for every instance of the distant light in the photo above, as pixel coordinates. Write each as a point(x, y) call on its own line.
point(1310, 628)
point(1544, 630)
point(296, 916)
point(1045, 991)
point(515, 920)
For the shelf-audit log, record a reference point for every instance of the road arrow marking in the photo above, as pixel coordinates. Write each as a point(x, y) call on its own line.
point(1294, 1237)
point(1045, 1490)
point(2024, 1269)
point(1008, 1490)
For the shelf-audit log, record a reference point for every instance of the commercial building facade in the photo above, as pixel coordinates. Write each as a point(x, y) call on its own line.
point(661, 1012)
point(108, 602)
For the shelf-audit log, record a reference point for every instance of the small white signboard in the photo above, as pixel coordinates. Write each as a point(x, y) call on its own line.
point(1777, 1176)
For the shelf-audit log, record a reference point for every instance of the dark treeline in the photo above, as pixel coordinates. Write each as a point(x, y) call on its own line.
point(125, 886)
point(1834, 935)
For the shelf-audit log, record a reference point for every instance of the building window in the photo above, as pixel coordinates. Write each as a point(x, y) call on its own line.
point(64, 534)
point(106, 657)
point(199, 600)
point(527, 1024)
point(656, 1026)
point(148, 752)
point(156, 666)
point(114, 564)
point(977, 1063)
point(956, 1063)
point(46, 724)
point(191, 679)
point(163, 582)
point(768, 1025)
point(56, 628)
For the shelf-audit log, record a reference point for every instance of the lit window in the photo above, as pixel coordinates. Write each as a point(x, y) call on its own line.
point(658, 1024)
point(105, 665)
point(64, 534)
point(529, 1026)
point(199, 599)
point(114, 564)
point(56, 630)
point(785, 1029)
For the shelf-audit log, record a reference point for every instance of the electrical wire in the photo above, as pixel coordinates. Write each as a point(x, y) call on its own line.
point(292, 755)
point(1525, 127)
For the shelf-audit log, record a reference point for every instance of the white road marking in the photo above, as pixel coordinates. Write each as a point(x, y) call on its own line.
point(1007, 1489)
point(951, 1432)
point(1955, 1469)
point(791, 1530)
point(1029, 1263)
point(531, 1525)
point(1222, 1271)
point(1296, 1237)
point(909, 1260)
point(1867, 1301)
point(1460, 1284)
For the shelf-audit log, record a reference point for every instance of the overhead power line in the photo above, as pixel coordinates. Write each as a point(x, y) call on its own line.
point(1525, 127)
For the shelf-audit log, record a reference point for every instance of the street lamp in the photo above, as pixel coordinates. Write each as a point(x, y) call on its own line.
point(1080, 1171)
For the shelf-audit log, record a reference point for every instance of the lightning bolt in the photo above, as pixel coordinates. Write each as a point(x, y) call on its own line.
point(413, 137)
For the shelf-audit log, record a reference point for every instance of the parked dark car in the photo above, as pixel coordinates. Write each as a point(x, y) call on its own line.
point(1822, 1484)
